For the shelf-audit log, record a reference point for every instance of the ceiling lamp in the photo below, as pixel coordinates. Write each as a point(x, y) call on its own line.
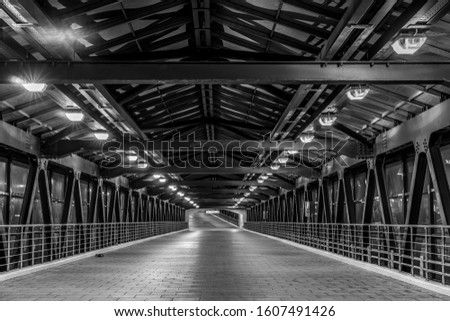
point(252, 188)
point(173, 187)
point(293, 152)
point(156, 176)
point(142, 165)
point(275, 166)
point(101, 135)
point(180, 194)
point(327, 120)
point(247, 194)
point(283, 159)
point(74, 115)
point(132, 158)
point(264, 176)
point(357, 93)
point(187, 199)
point(191, 202)
point(408, 44)
point(260, 180)
point(162, 179)
point(307, 137)
point(35, 88)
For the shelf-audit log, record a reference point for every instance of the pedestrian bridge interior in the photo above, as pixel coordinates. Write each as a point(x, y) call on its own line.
point(265, 138)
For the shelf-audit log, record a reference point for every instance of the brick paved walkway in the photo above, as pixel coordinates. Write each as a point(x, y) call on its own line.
point(209, 264)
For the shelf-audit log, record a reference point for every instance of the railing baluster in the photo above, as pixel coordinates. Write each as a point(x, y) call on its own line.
point(443, 255)
point(364, 242)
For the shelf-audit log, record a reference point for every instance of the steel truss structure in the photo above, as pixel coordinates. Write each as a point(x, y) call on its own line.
point(226, 71)
point(354, 198)
point(229, 216)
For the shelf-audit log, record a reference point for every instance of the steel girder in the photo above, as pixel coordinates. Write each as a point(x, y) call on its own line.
point(339, 73)
point(65, 148)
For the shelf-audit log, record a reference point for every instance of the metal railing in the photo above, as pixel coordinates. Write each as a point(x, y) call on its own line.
point(229, 219)
point(421, 250)
point(27, 245)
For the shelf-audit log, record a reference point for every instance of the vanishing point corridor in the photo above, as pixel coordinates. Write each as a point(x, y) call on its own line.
point(212, 261)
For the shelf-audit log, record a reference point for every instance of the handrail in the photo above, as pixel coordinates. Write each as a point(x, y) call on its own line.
point(27, 245)
point(420, 250)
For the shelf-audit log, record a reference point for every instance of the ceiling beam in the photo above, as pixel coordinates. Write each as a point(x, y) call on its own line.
point(138, 184)
point(377, 72)
point(121, 111)
point(222, 189)
point(344, 129)
point(300, 171)
point(117, 148)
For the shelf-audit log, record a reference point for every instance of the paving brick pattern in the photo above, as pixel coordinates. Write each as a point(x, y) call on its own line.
point(213, 261)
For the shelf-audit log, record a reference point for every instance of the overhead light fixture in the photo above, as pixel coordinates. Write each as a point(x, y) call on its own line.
point(327, 120)
point(252, 188)
point(162, 179)
point(260, 180)
point(132, 158)
point(35, 88)
point(275, 166)
point(293, 152)
point(101, 135)
point(283, 159)
point(307, 137)
point(143, 165)
point(264, 176)
point(187, 199)
point(74, 115)
point(181, 194)
point(173, 187)
point(191, 202)
point(247, 194)
point(357, 93)
point(156, 176)
point(407, 44)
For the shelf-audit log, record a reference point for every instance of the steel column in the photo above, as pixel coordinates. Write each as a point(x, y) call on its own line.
point(68, 198)
point(440, 183)
point(382, 192)
point(29, 194)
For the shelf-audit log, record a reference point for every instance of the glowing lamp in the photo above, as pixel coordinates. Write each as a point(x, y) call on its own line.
point(275, 167)
point(357, 93)
point(307, 138)
point(35, 88)
point(74, 115)
point(283, 159)
point(408, 45)
point(327, 120)
point(143, 165)
point(101, 135)
point(132, 158)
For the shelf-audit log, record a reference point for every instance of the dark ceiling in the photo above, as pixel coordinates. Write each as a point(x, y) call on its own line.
point(202, 31)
